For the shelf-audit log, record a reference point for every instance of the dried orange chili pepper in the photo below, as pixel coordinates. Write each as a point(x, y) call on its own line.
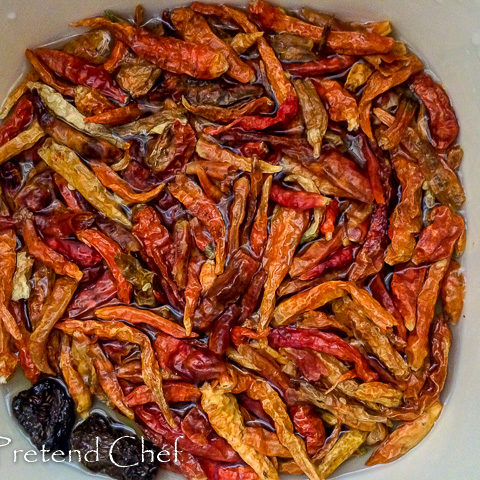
point(188, 193)
point(195, 29)
point(45, 254)
point(355, 43)
point(114, 182)
point(118, 116)
point(438, 239)
point(171, 54)
point(443, 121)
point(139, 316)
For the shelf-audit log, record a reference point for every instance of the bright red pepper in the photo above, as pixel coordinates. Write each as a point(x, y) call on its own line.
point(310, 426)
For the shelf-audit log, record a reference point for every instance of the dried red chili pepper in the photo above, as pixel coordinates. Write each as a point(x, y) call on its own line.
point(80, 72)
point(309, 426)
point(344, 175)
point(373, 169)
point(226, 288)
point(107, 248)
point(118, 116)
point(259, 232)
point(191, 362)
point(168, 53)
point(286, 229)
point(195, 29)
point(138, 316)
point(342, 258)
point(406, 285)
point(188, 193)
point(406, 220)
point(174, 391)
point(341, 105)
point(438, 239)
point(417, 347)
point(77, 252)
point(47, 76)
point(148, 228)
point(241, 189)
point(443, 121)
point(45, 254)
point(219, 338)
point(286, 111)
point(299, 200)
point(62, 223)
point(355, 43)
point(330, 216)
point(316, 253)
point(119, 51)
point(217, 448)
point(322, 342)
point(370, 258)
point(331, 64)
point(112, 180)
point(380, 82)
point(21, 116)
point(92, 296)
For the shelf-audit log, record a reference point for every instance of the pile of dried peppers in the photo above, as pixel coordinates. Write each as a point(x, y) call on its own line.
point(239, 228)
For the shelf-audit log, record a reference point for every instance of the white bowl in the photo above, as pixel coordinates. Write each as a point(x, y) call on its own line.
point(443, 33)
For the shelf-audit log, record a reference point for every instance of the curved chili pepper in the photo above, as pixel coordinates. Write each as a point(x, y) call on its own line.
point(92, 296)
point(107, 248)
point(340, 259)
point(117, 55)
point(191, 362)
point(285, 112)
point(48, 77)
point(322, 342)
point(114, 182)
point(443, 121)
point(168, 53)
point(80, 72)
point(309, 426)
point(139, 316)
